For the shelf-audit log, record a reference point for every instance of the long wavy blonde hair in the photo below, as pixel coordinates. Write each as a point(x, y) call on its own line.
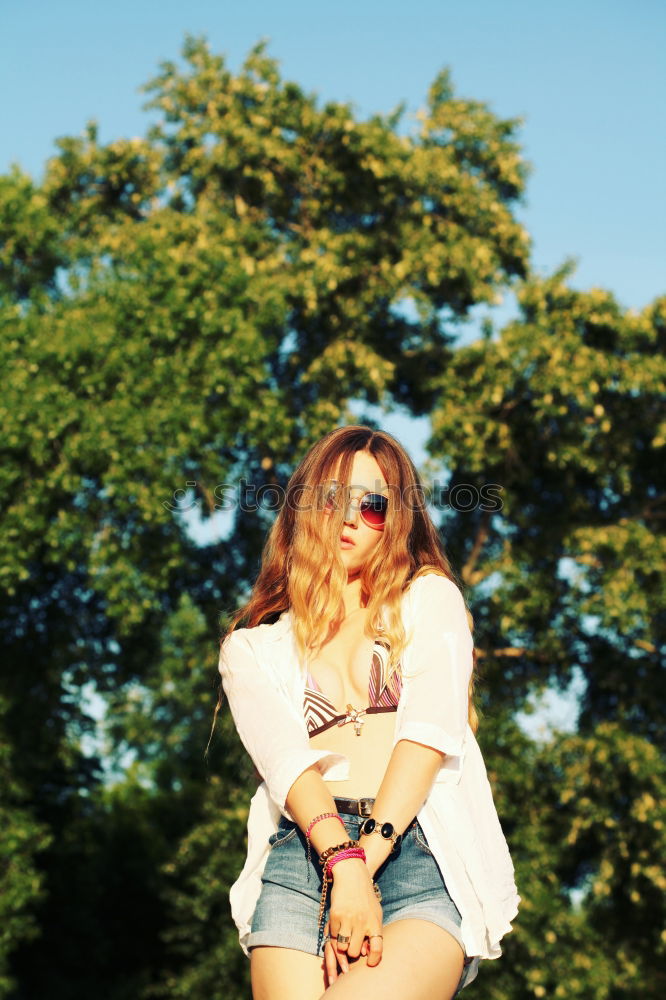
point(301, 569)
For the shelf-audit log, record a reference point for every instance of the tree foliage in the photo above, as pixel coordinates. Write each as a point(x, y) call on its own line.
point(564, 409)
point(21, 884)
point(196, 306)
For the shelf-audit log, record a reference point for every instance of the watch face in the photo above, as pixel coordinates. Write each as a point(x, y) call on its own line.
point(387, 830)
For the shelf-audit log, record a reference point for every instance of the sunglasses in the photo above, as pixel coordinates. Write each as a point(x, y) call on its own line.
point(371, 506)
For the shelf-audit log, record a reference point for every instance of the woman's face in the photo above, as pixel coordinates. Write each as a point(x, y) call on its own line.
point(358, 539)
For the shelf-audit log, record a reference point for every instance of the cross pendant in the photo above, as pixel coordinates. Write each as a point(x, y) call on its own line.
point(355, 716)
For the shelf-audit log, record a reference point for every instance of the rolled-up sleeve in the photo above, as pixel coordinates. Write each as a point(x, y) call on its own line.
point(268, 728)
point(437, 665)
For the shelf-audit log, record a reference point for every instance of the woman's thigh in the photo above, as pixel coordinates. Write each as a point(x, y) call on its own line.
point(420, 961)
point(286, 974)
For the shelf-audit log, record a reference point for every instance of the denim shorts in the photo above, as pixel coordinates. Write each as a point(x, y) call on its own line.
point(287, 911)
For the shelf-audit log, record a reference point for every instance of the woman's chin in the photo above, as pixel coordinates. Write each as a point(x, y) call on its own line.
point(353, 572)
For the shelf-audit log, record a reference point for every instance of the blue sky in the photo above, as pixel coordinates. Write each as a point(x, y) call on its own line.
point(588, 77)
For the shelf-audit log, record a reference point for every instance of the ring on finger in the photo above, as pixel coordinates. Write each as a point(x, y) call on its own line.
point(371, 936)
point(343, 939)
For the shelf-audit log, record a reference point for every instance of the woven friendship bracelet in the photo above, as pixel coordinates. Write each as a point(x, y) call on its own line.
point(351, 852)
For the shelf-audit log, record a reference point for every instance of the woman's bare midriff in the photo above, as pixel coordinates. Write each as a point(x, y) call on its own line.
point(342, 669)
point(368, 754)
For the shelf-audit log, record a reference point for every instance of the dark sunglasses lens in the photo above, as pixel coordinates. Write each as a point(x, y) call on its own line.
point(331, 498)
point(373, 509)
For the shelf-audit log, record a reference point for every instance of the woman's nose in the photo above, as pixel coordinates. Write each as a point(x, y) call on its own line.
point(351, 514)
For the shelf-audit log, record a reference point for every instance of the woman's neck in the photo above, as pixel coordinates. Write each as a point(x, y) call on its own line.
point(351, 596)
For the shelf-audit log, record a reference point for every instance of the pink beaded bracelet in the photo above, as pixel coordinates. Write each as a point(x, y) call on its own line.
point(314, 821)
point(311, 824)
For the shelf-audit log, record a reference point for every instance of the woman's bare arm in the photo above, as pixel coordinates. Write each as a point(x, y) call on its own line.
point(407, 781)
point(354, 908)
point(309, 796)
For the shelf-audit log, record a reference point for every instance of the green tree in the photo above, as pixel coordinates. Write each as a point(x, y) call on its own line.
point(562, 411)
point(563, 408)
point(192, 307)
point(196, 306)
point(21, 884)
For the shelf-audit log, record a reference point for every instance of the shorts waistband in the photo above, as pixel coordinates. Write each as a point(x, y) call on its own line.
point(357, 807)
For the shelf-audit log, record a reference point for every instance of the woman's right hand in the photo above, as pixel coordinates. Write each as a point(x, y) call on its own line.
point(355, 913)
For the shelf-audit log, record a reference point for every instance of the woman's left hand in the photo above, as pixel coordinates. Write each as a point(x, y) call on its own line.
point(334, 958)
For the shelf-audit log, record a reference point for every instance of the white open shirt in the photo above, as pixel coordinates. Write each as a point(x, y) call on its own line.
point(265, 684)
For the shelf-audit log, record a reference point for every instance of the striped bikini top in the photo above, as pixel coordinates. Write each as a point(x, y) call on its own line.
point(321, 714)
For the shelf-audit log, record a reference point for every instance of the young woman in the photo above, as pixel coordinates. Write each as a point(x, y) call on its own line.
point(376, 863)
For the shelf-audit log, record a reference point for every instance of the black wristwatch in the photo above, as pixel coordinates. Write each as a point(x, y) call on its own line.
point(386, 830)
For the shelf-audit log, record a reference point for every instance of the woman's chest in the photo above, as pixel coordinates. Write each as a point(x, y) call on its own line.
point(342, 667)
